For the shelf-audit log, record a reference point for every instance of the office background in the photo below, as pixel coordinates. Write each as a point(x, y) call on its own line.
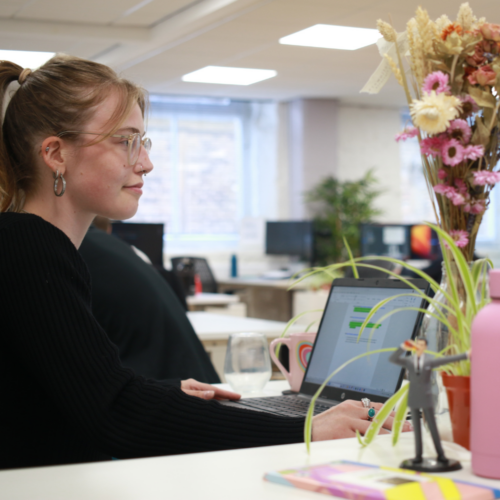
point(230, 157)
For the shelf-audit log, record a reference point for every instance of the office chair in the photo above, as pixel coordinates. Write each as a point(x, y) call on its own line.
point(187, 267)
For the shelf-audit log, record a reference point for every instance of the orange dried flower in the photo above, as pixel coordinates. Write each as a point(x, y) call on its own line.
point(450, 29)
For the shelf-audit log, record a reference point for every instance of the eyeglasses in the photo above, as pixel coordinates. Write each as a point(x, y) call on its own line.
point(134, 143)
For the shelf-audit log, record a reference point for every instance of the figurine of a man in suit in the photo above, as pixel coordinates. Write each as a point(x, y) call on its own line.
point(419, 367)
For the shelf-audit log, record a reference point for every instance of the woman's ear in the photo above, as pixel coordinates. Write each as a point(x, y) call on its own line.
point(53, 154)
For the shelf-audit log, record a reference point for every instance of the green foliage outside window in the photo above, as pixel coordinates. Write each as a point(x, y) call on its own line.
point(340, 208)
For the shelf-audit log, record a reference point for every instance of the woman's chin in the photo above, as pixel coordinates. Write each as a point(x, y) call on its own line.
point(122, 213)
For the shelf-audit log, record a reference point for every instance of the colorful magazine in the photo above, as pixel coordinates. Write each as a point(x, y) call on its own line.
point(358, 481)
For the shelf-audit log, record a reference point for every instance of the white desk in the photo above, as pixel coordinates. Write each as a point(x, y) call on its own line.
point(199, 301)
point(214, 329)
point(224, 475)
point(209, 326)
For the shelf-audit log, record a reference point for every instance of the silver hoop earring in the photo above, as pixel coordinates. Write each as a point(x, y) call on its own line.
point(58, 176)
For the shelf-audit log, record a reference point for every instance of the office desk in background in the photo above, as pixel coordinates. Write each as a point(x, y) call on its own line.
point(264, 298)
point(222, 475)
point(201, 301)
point(214, 329)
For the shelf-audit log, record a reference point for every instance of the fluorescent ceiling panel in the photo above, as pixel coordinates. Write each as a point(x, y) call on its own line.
point(332, 37)
point(25, 58)
point(229, 76)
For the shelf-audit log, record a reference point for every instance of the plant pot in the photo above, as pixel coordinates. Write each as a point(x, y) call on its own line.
point(458, 390)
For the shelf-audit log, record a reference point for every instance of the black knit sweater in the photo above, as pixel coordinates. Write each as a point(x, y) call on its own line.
point(65, 397)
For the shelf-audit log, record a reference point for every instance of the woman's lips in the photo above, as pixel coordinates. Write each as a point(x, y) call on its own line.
point(136, 188)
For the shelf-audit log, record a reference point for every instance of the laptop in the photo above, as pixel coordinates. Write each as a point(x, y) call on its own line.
point(374, 376)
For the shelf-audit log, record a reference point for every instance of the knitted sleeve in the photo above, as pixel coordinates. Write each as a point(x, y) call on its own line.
point(68, 353)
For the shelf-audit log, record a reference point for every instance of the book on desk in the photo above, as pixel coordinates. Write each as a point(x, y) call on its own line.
point(344, 479)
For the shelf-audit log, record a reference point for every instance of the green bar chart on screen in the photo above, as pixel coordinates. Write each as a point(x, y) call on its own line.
point(356, 324)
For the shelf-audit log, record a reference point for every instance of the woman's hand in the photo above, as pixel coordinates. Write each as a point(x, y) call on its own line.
point(343, 420)
point(206, 391)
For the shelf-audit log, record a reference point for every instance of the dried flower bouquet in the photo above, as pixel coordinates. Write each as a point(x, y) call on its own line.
point(450, 72)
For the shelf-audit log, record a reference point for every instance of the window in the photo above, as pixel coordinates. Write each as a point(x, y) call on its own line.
point(203, 182)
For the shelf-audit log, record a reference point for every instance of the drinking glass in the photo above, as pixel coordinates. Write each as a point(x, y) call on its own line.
point(247, 367)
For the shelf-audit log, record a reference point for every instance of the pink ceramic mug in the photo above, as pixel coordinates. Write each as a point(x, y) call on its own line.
point(299, 347)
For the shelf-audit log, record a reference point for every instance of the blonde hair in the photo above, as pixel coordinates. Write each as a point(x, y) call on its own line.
point(61, 95)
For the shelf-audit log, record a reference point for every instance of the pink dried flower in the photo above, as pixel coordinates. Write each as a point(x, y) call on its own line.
point(452, 152)
point(461, 238)
point(443, 189)
point(473, 152)
point(451, 193)
point(407, 133)
point(437, 81)
point(461, 186)
point(456, 198)
point(478, 207)
point(460, 130)
point(442, 174)
point(469, 106)
point(490, 31)
point(484, 177)
point(431, 146)
point(485, 75)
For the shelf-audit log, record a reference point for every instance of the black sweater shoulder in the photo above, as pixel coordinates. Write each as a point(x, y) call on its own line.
point(65, 395)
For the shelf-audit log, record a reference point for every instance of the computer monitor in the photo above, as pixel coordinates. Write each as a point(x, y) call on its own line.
point(402, 241)
point(146, 237)
point(424, 242)
point(390, 240)
point(295, 238)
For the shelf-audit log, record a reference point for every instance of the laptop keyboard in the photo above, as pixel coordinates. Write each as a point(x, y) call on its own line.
point(290, 406)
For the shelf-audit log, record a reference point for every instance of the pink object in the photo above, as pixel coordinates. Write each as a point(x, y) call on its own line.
point(485, 381)
point(300, 348)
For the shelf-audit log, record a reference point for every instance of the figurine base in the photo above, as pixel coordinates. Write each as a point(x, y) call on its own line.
point(431, 465)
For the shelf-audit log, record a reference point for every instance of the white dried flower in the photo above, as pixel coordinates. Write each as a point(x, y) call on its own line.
point(433, 112)
point(465, 17)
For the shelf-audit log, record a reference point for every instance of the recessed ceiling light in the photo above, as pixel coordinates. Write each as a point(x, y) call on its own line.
point(26, 58)
point(228, 75)
point(332, 37)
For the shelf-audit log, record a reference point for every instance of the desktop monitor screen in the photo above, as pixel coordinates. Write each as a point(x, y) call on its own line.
point(146, 237)
point(391, 240)
point(290, 238)
point(424, 242)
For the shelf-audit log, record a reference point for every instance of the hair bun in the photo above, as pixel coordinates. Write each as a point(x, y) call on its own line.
point(24, 74)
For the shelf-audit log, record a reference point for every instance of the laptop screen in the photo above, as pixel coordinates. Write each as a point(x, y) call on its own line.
point(337, 339)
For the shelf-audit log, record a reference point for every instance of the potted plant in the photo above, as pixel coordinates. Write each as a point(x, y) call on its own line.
point(450, 73)
point(340, 207)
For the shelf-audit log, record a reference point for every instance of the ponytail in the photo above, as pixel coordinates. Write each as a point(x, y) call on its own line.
point(9, 72)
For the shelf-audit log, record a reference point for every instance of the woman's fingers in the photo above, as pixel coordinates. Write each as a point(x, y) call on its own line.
point(200, 394)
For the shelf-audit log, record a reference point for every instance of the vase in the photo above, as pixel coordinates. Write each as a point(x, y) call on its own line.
point(438, 338)
point(458, 391)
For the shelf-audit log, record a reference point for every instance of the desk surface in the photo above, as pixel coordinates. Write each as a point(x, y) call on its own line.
point(211, 299)
point(256, 281)
point(223, 475)
point(209, 326)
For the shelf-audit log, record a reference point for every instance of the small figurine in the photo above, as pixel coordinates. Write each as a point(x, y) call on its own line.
point(419, 368)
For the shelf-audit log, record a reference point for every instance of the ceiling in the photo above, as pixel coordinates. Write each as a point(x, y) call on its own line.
point(155, 42)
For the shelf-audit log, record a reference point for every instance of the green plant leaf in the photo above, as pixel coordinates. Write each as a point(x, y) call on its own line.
point(310, 410)
point(380, 418)
point(354, 268)
point(400, 417)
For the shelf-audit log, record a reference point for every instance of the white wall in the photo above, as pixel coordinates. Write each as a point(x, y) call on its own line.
point(366, 140)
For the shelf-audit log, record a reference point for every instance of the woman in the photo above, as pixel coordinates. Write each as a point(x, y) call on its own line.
point(72, 147)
